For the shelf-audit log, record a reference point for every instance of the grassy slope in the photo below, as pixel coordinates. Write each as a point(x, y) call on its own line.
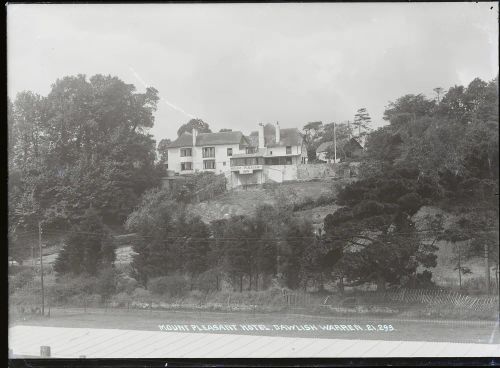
point(244, 202)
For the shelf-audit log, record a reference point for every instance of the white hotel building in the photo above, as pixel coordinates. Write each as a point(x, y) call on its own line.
point(267, 155)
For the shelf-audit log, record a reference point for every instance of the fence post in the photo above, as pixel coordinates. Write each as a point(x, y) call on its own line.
point(45, 351)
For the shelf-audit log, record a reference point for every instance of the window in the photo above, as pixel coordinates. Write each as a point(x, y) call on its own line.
point(186, 152)
point(208, 152)
point(288, 150)
point(224, 163)
point(237, 161)
point(251, 161)
point(272, 161)
point(270, 152)
point(209, 164)
point(229, 151)
point(186, 166)
point(250, 150)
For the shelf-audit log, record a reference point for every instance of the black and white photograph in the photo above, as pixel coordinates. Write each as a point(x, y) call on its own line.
point(253, 180)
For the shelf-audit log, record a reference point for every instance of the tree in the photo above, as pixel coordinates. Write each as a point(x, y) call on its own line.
point(196, 248)
point(445, 155)
point(162, 149)
point(87, 249)
point(478, 226)
point(198, 124)
point(374, 233)
point(312, 133)
point(84, 144)
point(232, 237)
point(157, 221)
point(408, 108)
point(343, 134)
point(298, 234)
point(362, 120)
point(312, 130)
point(438, 91)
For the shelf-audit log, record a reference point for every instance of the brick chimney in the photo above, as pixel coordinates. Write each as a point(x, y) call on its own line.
point(261, 135)
point(195, 134)
point(278, 136)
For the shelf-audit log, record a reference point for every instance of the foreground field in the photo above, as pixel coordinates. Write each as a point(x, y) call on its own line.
point(400, 329)
point(25, 341)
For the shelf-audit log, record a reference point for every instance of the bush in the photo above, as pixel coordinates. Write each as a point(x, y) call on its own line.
point(21, 279)
point(121, 300)
point(69, 286)
point(173, 286)
point(410, 202)
point(141, 295)
point(207, 281)
point(106, 283)
point(125, 283)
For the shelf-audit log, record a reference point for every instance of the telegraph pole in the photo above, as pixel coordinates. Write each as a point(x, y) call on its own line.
point(334, 144)
point(41, 265)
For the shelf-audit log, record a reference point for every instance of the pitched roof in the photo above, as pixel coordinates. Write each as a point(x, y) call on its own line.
point(184, 140)
point(288, 136)
point(354, 143)
point(205, 139)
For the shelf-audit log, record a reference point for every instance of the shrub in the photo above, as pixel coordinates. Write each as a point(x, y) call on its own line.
point(141, 295)
point(21, 279)
point(207, 281)
point(173, 286)
point(106, 283)
point(410, 202)
point(69, 286)
point(125, 283)
point(121, 299)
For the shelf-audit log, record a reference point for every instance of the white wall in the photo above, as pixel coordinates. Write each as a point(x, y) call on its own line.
point(280, 173)
point(281, 150)
point(221, 157)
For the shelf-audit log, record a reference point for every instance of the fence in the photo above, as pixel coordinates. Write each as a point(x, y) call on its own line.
point(402, 297)
point(443, 297)
point(407, 302)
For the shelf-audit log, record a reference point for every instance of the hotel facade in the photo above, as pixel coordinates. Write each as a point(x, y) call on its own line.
point(270, 154)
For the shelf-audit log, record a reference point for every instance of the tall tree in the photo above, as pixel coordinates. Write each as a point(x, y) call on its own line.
point(85, 144)
point(198, 124)
point(362, 120)
point(439, 91)
point(88, 248)
point(312, 134)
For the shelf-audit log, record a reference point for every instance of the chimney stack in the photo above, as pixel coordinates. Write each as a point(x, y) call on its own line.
point(195, 134)
point(278, 136)
point(261, 135)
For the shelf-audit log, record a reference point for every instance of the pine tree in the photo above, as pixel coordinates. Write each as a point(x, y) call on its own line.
point(362, 120)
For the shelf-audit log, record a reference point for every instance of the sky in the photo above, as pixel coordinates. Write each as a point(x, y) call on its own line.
point(236, 65)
